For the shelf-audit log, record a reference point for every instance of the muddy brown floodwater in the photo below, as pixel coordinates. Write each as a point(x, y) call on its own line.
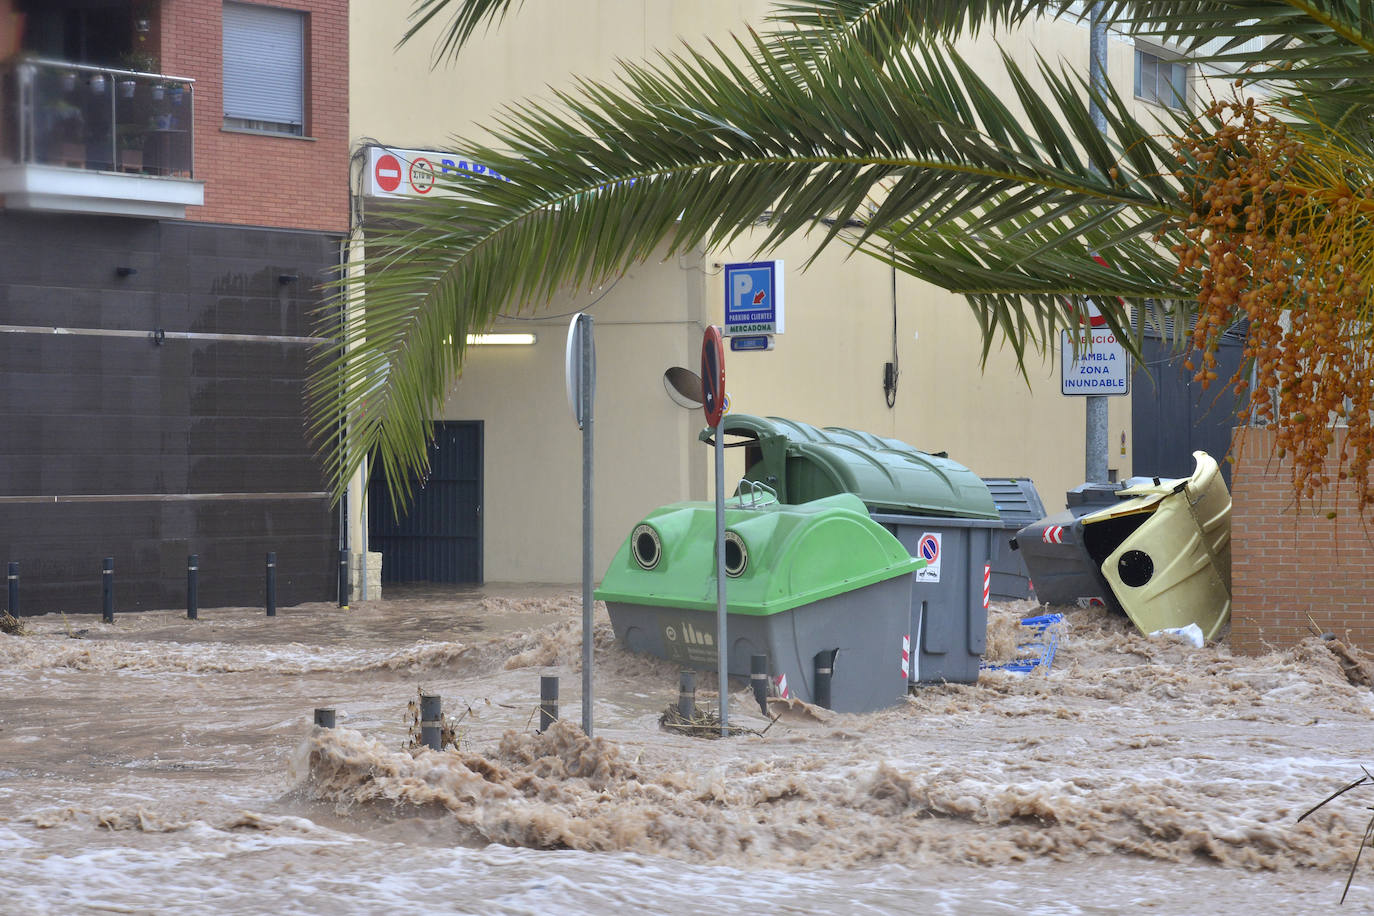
point(160, 765)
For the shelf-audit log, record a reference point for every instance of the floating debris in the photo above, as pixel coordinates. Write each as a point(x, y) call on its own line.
point(449, 733)
point(1366, 840)
point(1038, 651)
point(11, 625)
point(705, 724)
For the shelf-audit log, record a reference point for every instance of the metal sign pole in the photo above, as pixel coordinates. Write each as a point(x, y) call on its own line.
point(1095, 421)
point(712, 401)
point(588, 396)
point(722, 659)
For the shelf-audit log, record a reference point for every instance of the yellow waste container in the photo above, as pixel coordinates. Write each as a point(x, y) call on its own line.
point(1165, 550)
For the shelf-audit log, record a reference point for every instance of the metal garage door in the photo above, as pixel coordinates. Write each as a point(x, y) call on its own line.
point(438, 537)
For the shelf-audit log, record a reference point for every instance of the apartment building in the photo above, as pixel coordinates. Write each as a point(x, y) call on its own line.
point(173, 191)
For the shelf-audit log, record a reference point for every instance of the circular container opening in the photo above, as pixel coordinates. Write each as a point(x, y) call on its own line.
point(736, 555)
point(1135, 568)
point(646, 547)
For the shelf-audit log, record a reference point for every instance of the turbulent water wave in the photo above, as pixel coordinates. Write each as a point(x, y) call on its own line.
point(295, 658)
point(158, 744)
point(563, 790)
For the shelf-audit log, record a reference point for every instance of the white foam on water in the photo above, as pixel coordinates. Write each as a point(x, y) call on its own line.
point(160, 765)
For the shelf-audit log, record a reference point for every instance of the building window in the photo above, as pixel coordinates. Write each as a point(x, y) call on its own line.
point(264, 69)
point(1164, 82)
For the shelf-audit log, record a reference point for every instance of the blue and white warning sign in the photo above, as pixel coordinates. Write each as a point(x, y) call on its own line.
point(928, 549)
point(1095, 363)
point(753, 298)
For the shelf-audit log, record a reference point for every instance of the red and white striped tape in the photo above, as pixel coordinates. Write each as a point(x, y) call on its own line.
point(906, 656)
point(987, 584)
point(1054, 534)
point(781, 682)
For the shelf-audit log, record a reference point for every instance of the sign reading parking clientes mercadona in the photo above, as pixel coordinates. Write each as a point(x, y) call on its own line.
point(753, 298)
point(1100, 364)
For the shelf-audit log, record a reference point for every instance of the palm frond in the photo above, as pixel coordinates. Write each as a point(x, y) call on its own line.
point(465, 16)
point(696, 150)
point(871, 24)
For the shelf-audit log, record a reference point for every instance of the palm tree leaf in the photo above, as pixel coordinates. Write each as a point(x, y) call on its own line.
point(704, 148)
point(464, 19)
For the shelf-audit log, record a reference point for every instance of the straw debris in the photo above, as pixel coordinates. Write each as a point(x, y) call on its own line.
point(1366, 841)
point(450, 735)
point(1354, 662)
point(11, 625)
point(704, 724)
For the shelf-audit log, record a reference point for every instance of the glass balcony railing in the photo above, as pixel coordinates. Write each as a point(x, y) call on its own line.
point(96, 118)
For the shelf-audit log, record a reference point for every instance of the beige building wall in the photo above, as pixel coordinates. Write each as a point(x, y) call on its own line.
point(645, 450)
point(826, 369)
point(403, 99)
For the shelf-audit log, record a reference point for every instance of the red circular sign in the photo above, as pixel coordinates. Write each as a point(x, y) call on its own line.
point(422, 175)
point(388, 172)
point(712, 375)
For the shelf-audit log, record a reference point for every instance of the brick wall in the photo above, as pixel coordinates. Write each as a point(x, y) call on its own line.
point(1288, 563)
point(250, 179)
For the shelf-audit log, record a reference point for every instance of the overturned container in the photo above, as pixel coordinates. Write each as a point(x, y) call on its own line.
point(817, 579)
point(1051, 548)
point(1160, 553)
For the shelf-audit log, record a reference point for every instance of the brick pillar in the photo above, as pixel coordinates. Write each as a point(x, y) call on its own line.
point(1289, 562)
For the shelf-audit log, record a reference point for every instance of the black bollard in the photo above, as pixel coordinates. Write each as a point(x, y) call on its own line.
point(324, 717)
point(548, 701)
point(14, 589)
point(825, 670)
point(343, 577)
point(192, 587)
point(758, 679)
point(687, 695)
point(432, 722)
point(271, 585)
point(107, 590)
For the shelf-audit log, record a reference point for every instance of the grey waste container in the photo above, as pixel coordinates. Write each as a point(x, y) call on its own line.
point(949, 624)
point(1059, 564)
point(1052, 548)
point(1018, 505)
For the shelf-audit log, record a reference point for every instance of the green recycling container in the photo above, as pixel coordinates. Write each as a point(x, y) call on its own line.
point(821, 577)
point(804, 463)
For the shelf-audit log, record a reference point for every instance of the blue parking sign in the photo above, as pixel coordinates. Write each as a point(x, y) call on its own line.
point(753, 298)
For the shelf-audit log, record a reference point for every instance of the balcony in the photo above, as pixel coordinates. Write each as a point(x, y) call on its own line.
point(81, 139)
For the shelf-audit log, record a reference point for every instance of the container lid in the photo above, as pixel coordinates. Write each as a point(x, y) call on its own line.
point(1018, 503)
point(804, 463)
point(789, 556)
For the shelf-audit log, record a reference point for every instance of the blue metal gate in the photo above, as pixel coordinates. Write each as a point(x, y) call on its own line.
point(438, 536)
point(1171, 416)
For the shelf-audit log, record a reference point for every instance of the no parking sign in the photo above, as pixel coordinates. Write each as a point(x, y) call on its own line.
point(928, 549)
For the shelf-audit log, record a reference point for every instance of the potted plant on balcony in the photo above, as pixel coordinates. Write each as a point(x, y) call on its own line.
point(64, 138)
point(138, 62)
point(131, 138)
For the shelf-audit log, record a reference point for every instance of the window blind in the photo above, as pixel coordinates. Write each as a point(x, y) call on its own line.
point(264, 64)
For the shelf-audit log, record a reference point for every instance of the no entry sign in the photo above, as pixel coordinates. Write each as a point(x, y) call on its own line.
point(387, 172)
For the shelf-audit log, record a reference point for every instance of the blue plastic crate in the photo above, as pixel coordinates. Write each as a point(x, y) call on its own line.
point(1038, 651)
